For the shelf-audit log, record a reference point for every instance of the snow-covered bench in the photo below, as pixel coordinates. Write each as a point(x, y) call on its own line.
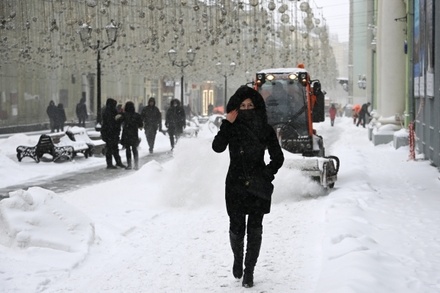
point(96, 146)
point(45, 145)
point(79, 147)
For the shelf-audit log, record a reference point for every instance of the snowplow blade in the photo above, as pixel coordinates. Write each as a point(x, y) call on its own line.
point(322, 169)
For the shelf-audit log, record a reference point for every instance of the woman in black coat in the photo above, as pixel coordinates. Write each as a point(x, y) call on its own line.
point(247, 133)
point(110, 131)
point(132, 121)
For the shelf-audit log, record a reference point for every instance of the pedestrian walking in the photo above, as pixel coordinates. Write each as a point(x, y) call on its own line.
point(248, 181)
point(51, 112)
point(60, 118)
point(175, 121)
point(210, 109)
point(152, 119)
point(362, 113)
point(81, 112)
point(110, 132)
point(131, 122)
point(332, 112)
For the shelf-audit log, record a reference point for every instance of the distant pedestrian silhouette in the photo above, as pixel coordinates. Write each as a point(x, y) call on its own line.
point(81, 112)
point(51, 111)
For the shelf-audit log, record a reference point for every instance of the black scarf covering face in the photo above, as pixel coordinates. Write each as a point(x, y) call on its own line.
point(251, 120)
point(246, 115)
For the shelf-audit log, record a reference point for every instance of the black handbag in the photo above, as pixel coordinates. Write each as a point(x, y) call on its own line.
point(257, 185)
point(260, 187)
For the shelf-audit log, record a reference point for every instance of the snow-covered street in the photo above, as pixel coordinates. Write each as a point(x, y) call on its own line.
point(164, 228)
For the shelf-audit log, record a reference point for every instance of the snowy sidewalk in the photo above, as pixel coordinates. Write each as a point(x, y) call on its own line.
point(164, 228)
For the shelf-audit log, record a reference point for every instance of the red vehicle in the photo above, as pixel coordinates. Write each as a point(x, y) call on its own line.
point(294, 102)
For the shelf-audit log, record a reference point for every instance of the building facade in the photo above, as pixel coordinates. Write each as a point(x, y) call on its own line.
point(425, 77)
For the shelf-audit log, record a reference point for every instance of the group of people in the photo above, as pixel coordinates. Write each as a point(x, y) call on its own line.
point(175, 122)
point(127, 119)
point(116, 118)
point(360, 113)
point(57, 116)
point(112, 122)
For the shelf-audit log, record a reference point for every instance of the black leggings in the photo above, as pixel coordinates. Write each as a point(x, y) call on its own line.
point(237, 223)
point(128, 150)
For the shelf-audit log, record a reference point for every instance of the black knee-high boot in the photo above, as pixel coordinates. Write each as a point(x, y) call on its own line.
point(254, 236)
point(129, 167)
point(237, 242)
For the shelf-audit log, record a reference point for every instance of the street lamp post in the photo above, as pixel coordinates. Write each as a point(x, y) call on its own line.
point(85, 34)
point(190, 55)
point(362, 81)
point(225, 75)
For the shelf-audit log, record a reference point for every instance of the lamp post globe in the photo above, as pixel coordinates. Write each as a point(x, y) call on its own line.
point(191, 56)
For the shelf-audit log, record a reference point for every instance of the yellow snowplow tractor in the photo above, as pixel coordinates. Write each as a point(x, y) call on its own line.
point(293, 103)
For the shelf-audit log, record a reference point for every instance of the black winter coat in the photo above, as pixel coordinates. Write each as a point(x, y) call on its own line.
point(51, 110)
point(131, 124)
point(175, 119)
point(246, 151)
point(364, 110)
point(152, 118)
point(111, 128)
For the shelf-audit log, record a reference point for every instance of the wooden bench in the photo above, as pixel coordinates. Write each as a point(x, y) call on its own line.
point(96, 146)
point(45, 145)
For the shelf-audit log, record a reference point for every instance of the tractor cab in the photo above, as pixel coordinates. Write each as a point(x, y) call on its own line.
point(293, 103)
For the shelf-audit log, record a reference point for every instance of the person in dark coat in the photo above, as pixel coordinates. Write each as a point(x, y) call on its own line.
point(81, 112)
point(51, 111)
point(175, 121)
point(60, 118)
point(131, 122)
point(152, 119)
point(362, 113)
point(247, 133)
point(110, 131)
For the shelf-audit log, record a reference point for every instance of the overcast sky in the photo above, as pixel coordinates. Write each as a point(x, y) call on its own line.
point(336, 15)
